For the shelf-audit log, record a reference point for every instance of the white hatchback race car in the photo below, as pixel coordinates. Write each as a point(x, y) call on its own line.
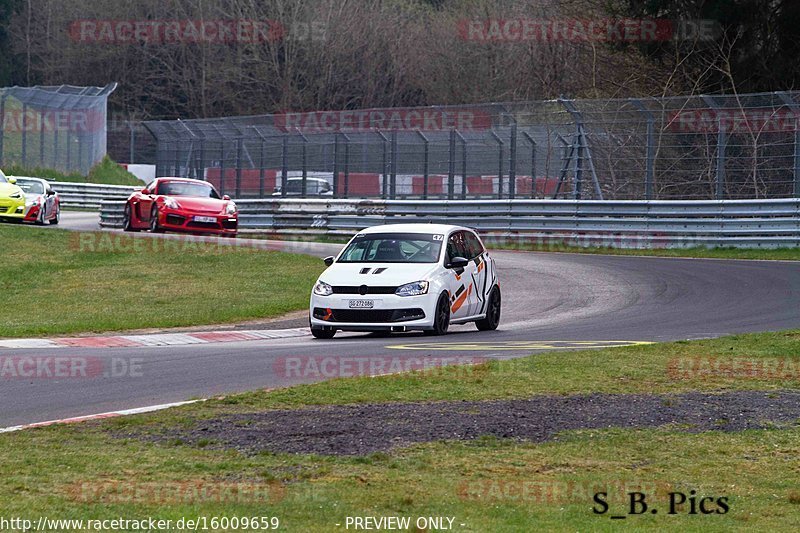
point(405, 277)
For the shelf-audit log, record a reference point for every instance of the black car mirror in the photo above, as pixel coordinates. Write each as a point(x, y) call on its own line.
point(329, 260)
point(457, 262)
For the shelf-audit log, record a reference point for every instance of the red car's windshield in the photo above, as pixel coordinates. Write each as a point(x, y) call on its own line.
point(184, 188)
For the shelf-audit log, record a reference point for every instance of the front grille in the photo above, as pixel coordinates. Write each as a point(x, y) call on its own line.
point(229, 224)
point(194, 224)
point(369, 315)
point(370, 290)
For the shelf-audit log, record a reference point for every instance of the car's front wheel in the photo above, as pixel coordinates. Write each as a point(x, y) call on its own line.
point(57, 218)
point(155, 227)
point(127, 224)
point(441, 319)
point(320, 333)
point(492, 319)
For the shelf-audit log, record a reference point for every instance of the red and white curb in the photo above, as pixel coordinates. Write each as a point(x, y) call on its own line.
point(162, 339)
point(100, 416)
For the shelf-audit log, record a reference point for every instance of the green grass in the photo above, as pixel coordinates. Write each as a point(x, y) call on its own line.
point(59, 282)
point(785, 254)
point(95, 471)
point(107, 172)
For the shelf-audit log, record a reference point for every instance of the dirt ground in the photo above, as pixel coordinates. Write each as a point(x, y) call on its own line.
point(366, 428)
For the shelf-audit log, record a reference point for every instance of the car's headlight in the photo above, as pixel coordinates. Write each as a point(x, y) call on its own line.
point(413, 289)
point(323, 289)
point(171, 203)
point(33, 200)
point(230, 208)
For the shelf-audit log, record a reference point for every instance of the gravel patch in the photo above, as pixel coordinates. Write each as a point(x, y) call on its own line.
point(366, 428)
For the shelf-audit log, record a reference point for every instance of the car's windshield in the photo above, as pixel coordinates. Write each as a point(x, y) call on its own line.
point(185, 188)
point(393, 248)
point(30, 186)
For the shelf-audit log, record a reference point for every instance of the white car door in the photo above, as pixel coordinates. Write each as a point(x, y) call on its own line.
point(480, 275)
point(462, 289)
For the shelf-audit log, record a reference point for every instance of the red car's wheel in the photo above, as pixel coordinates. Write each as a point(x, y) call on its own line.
point(155, 227)
point(127, 224)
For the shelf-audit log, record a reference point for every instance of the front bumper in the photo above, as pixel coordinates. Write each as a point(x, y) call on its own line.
point(389, 312)
point(12, 208)
point(178, 220)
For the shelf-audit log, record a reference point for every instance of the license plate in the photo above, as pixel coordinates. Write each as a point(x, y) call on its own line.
point(361, 304)
point(205, 219)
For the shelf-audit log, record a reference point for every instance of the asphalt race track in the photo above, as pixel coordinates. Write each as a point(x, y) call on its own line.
point(549, 301)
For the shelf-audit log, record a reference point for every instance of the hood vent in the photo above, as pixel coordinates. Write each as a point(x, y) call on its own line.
point(379, 271)
point(364, 271)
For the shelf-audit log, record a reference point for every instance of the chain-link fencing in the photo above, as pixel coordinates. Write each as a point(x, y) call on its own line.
point(691, 147)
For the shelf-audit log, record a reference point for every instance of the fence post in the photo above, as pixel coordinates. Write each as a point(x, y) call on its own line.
point(239, 158)
point(500, 163)
point(41, 143)
point(384, 165)
point(262, 166)
point(722, 141)
point(221, 166)
point(578, 172)
point(451, 175)
point(346, 165)
point(284, 163)
point(132, 142)
point(512, 163)
point(649, 173)
point(336, 165)
point(55, 146)
point(533, 163)
point(2, 123)
point(463, 164)
point(393, 185)
point(425, 166)
point(304, 164)
point(25, 136)
point(796, 177)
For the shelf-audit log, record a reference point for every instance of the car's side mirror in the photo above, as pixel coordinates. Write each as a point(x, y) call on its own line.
point(12, 180)
point(145, 191)
point(329, 260)
point(51, 192)
point(457, 262)
point(276, 189)
point(226, 197)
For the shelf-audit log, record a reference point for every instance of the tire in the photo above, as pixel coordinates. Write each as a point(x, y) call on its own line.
point(323, 333)
point(126, 219)
point(492, 319)
point(441, 320)
point(154, 226)
point(57, 218)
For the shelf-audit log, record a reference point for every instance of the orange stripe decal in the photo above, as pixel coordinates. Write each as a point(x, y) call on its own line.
point(461, 299)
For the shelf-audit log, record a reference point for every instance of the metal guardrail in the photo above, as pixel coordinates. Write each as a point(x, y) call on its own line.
point(620, 224)
point(89, 195)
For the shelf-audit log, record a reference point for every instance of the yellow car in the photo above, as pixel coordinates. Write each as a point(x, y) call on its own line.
point(12, 199)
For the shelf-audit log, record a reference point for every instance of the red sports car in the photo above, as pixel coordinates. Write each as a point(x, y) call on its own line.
point(180, 204)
